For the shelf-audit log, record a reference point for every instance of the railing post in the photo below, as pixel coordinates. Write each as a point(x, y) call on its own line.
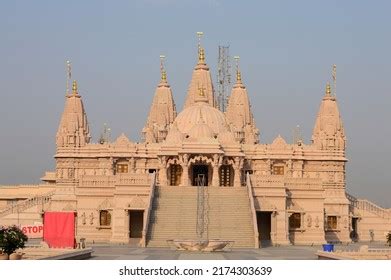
point(252, 209)
point(143, 241)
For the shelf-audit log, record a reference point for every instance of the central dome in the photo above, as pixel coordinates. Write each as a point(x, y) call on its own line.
point(201, 113)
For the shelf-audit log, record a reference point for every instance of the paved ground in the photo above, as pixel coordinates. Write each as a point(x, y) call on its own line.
point(124, 252)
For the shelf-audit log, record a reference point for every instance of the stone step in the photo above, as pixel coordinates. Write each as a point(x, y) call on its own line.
point(174, 214)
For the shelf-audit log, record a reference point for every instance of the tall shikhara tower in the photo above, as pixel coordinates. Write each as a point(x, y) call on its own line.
point(201, 81)
point(73, 130)
point(239, 115)
point(329, 133)
point(162, 113)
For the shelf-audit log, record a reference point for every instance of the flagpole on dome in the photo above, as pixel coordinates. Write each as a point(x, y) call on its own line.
point(334, 75)
point(69, 75)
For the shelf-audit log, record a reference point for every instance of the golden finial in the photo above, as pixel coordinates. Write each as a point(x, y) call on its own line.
point(162, 70)
point(74, 87)
point(238, 74)
point(164, 76)
point(328, 89)
point(201, 51)
point(201, 55)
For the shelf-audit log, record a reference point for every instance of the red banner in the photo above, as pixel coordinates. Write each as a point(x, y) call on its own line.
point(59, 229)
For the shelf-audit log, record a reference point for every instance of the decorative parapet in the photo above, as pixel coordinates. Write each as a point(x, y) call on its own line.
point(116, 180)
point(96, 181)
point(305, 183)
point(267, 181)
point(133, 180)
point(281, 181)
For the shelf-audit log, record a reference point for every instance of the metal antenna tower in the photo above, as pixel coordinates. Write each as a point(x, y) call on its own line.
point(223, 77)
point(297, 136)
point(105, 135)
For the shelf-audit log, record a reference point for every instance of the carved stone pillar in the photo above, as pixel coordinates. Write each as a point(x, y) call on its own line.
point(269, 167)
point(132, 164)
point(185, 170)
point(237, 174)
point(215, 166)
point(162, 179)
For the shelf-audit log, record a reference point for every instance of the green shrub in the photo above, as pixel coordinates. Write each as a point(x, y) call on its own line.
point(11, 238)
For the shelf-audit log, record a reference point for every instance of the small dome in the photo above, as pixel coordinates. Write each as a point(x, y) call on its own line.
point(227, 138)
point(210, 116)
point(174, 135)
point(201, 131)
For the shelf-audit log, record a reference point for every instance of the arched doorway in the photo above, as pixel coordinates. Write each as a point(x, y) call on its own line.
point(200, 173)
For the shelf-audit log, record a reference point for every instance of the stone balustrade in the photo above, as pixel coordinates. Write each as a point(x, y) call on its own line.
point(133, 180)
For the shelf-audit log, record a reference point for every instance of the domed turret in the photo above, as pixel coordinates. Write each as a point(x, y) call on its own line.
point(201, 131)
point(174, 136)
point(226, 138)
point(200, 80)
point(191, 116)
point(73, 130)
point(162, 112)
point(329, 132)
point(239, 113)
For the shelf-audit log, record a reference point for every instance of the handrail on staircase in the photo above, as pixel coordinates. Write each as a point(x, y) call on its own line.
point(147, 213)
point(363, 204)
point(252, 208)
point(22, 205)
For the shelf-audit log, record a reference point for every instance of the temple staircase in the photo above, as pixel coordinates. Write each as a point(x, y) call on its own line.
point(174, 215)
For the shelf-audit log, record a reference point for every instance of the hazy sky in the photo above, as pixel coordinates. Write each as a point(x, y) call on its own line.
point(287, 49)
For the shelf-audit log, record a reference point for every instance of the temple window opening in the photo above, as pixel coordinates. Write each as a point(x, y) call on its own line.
point(226, 175)
point(104, 218)
point(295, 221)
point(278, 170)
point(122, 168)
point(332, 222)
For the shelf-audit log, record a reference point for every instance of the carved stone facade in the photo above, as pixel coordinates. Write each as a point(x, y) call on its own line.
point(297, 190)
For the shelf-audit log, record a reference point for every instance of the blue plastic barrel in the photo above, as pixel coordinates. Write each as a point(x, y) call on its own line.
point(328, 247)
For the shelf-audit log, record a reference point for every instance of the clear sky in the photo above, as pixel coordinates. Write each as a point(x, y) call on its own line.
point(287, 49)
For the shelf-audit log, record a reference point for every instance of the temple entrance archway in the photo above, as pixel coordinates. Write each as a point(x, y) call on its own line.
point(136, 223)
point(264, 222)
point(200, 171)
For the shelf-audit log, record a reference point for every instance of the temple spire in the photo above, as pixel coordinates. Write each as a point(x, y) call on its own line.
point(73, 130)
point(239, 115)
point(162, 112)
point(201, 80)
point(329, 133)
